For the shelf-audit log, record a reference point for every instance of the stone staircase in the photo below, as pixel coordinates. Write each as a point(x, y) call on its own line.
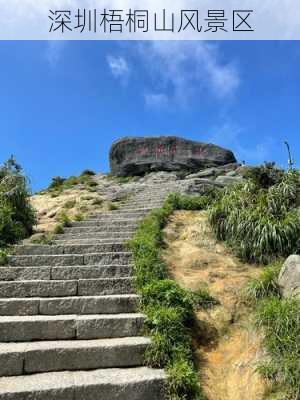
point(69, 326)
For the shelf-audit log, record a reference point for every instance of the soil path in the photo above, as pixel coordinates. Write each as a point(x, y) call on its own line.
point(228, 347)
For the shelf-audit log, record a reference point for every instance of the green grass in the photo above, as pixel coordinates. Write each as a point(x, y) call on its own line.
point(265, 285)
point(59, 184)
point(169, 309)
point(4, 253)
point(280, 321)
point(58, 230)
point(46, 239)
point(64, 220)
point(259, 223)
point(69, 204)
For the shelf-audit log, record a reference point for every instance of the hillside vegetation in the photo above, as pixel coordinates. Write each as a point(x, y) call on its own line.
point(17, 216)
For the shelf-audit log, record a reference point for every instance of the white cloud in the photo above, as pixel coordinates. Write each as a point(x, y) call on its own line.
point(54, 51)
point(156, 99)
point(181, 70)
point(119, 67)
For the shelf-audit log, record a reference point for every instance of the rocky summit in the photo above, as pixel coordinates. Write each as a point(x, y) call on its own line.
point(131, 156)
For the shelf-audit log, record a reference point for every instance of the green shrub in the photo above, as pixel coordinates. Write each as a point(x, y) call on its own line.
point(46, 239)
point(56, 183)
point(259, 224)
point(168, 293)
point(112, 206)
point(183, 381)
point(280, 321)
point(59, 229)
point(202, 299)
point(17, 216)
point(264, 176)
point(79, 217)
point(4, 253)
point(87, 172)
point(70, 204)
point(64, 219)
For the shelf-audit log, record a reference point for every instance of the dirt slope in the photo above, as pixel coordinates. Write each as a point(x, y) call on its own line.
point(229, 348)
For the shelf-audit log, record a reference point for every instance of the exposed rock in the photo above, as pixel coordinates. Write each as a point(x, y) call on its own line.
point(203, 174)
point(229, 180)
point(137, 155)
point(289, 277)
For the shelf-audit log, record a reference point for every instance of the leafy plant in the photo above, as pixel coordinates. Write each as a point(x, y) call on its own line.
point(202, 299)
point(17, 216)
point(4, 257)
point(59, 229)
point(69, 204)
point(64, 219)
point(87, 172)
point(46, 239)
point(78, 217)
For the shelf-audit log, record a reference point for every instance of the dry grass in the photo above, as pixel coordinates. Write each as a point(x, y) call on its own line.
point(228, 350)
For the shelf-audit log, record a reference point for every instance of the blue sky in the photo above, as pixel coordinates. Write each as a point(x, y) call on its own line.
point(63, 103)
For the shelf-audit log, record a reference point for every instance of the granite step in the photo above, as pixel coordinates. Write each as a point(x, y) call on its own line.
point(109, 304)
point(109, 236)
point(63, 288)
point(48, 356)
point(100, 229)
point(64, 273)
point(65, 327)
point(36, 249)
point(90, 240)
point(106, 258)
point(140, 383)
point(121, 222)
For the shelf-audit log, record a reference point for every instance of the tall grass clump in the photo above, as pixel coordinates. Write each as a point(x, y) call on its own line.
point(266, 285)
point(17, 217)
point(260, 219)
point(280, 322)
point(169, 309)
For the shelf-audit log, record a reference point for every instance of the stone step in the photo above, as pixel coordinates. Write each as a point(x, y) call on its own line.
point(125, 213)
point(35, 249)
point(109, 236)
point(121, 222)
point(144, 203)
point(109, 304)
point(65, 327)
point(81, 287)
point(90, 240)
point(117, 258)
point(140, 383)
point(64, 273)
point(72, 355)
point(106, 228)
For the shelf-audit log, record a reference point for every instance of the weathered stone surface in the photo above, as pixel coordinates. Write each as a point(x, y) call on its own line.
point(137, 155)
point(115, 304)
point(229, 180)
point(108, 326)
point(289, 277)
point(103, 384)
point(23, 358)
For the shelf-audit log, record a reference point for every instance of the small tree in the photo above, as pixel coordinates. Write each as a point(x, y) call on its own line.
point(17, 216)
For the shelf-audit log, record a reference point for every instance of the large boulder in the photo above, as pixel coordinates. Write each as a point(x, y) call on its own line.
point(289, 277)
point(138, 155)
